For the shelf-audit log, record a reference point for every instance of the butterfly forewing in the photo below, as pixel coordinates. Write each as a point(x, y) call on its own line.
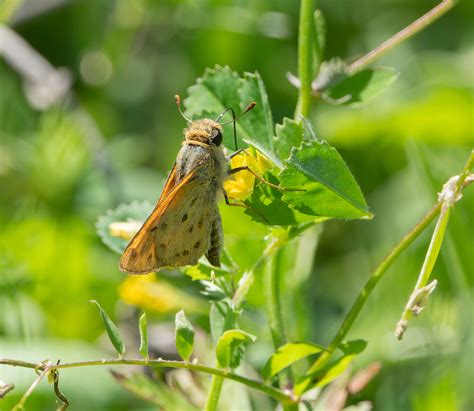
point(177, 233)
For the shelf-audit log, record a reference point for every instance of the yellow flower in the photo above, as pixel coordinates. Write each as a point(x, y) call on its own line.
point(124, 229)
point(153, 294)
point(241, 185)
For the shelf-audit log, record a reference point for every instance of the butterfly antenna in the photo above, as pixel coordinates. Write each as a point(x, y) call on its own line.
point(178, 103)
point(234, 118)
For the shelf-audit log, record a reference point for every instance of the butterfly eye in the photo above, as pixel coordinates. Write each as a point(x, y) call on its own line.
point(216, 137)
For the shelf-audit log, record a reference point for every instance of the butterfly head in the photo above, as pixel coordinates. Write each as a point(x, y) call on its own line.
point(204, 131)
point(209, 132)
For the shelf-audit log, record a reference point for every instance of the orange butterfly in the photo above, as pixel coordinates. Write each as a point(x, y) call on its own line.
point(186, 223)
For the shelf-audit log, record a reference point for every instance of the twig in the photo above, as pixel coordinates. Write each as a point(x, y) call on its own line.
point(409, 31)
point(257, 385)
point(45, 370)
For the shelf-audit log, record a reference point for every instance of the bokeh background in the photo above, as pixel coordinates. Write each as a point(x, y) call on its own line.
point(93, 124)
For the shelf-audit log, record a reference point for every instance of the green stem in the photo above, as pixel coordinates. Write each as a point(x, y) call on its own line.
point(257, 385)
point(409, 31)
point(448, 198)
point(248, 278)
point(273, 307)
point(273, 303)
point(370, 285)
point(305, 55)
point(214, 393)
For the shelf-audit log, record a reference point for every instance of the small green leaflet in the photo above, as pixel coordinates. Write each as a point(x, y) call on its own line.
point(221, 319)
point(288, 135)
point(361, 87)
point(322, 377)
point(203, 270)
point(142, 326)
point(287, 355)
point(184, 335)
point(230, 347)
point(112, 330)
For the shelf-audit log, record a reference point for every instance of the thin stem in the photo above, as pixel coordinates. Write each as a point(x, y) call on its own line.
point(21, 404)
point(257, 385)
point(370, 285)
point(305, 56)
point(273, 303)
point(273, 306)
point(409, 31)
point(248, 278)
point(214, 393)
point(417, 300)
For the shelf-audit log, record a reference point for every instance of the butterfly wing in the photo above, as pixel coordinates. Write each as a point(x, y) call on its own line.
point(177, 232)
point(170, 183)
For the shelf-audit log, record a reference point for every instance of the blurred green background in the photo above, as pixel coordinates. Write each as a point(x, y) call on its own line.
point(104, 130)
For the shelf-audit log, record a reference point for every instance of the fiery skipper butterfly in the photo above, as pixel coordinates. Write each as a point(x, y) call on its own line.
point(185, 223)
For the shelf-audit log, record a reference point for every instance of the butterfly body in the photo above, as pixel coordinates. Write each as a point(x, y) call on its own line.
point(185, 223)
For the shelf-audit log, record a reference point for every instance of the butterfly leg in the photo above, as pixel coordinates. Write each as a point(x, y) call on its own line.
point(247, 168)
point(243, 205)
point(231, 156)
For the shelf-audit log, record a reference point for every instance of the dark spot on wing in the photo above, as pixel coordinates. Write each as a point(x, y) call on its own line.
point(163, 226)
point(185, 252)
point(191, 227)
point(133, 252)
point(153, 229)
point(197, 244)
point(184, 218)
point(201, 222)
point(193, 201)
point(177, 255)
point(150, 257)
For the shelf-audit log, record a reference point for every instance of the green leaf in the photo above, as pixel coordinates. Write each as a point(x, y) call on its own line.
point(353, 347)
point(230, 347)
point(287, 355)
point(112, 330)
point(184, 334)
point(320, 378)
point(361, 86)
point(259, 126)
point(134, 214)
point(335, 370)
point(205, 271)
point(330, 190)
point(221, 319)
point(220, 88)
point(267, 207)
point(288, 135)
point(142, 326)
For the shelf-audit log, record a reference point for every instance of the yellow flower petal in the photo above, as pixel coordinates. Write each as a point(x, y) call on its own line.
point(241, 185)
point(149, 293)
